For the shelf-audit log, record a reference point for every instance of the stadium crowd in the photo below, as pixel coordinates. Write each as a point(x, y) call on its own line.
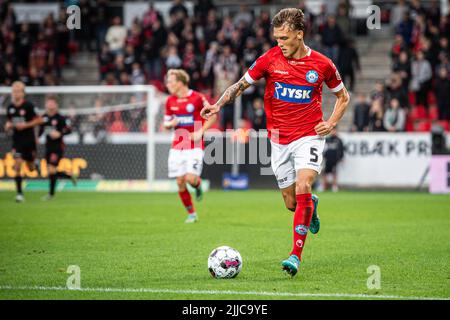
point(417, 93)
point(215, 49)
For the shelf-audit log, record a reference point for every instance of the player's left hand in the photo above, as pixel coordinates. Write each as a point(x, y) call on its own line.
point(197, 135)
point(54, 134)
point(20, 126)
point(323, 128)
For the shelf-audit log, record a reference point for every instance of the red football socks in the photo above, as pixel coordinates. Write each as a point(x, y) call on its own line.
point(187, 201)
point(302, 219)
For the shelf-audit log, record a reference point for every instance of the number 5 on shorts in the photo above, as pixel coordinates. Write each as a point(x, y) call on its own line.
point(315, 157)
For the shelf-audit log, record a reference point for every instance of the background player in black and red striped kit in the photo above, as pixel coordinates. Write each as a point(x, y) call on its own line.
point(54, 125)
point(22, 117)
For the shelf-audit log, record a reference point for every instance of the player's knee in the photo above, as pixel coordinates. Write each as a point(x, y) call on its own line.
point(303, 186)
point(181, 182)
point(191, 179)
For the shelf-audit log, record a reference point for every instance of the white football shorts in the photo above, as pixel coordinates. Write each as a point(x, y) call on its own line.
point(185, 161)
point(287, 159)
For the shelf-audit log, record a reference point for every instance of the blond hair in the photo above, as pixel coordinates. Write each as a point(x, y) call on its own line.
point(180, 75)
point(293, 18)
point(18, 83)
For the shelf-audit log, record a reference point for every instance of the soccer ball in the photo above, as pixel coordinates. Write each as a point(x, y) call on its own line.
point(224, 262)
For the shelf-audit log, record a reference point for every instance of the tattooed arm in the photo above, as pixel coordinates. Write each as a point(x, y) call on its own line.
point(228, 96)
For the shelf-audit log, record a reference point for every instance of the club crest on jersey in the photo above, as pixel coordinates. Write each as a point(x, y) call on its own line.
point(190, 107)
point(185, 120)
point(312, 76)
point(292, 93)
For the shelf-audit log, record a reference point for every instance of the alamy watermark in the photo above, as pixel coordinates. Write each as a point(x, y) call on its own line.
point(74, 17)
point(74, 280)
point(374, 280)
point(374, 19)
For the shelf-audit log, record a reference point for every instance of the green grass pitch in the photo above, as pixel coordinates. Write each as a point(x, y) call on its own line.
point(137, 246)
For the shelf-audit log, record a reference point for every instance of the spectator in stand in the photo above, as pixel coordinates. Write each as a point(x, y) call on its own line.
point(405, 28)
point(212, 27)
point(137, 76)
point(116, 35)
point(348, 63)
point(394, 118)
point(398, 46)
point(130, 58)
point(23, 45)
point(119, 67)
point(442, 90)
point(191, 64)
point(212, 55)
point(155, 39)
point(395, 90)
point(421, 72)
point(178, 9)
point(398, 12)
point(201, 10)
point(257, 115)
point(376, 116)
point(333, 155)
point(173, 60)
point(361, 114)
point(403, 68)
point(342, 20)
point(226, 72)
point(379, 92)
point(331, 39)
point(443, 63)
point(100, 21)
point(105, 61)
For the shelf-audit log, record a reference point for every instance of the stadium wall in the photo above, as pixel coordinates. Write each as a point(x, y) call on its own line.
point(372, 160)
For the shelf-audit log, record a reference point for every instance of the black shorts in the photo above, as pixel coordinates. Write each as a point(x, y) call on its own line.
point(24, 149)
point(53, 157)
point(330, 167)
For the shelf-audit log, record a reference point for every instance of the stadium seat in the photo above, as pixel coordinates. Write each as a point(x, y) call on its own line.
point(431, 97)
point(418, 113)
point(423, 126)
point(445, 124)
point(433, 113)
point(412, 98)
point(118, 126)
point(409, 124)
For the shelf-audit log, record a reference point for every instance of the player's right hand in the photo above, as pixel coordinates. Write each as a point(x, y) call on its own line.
point(208, 110)
point(8, 126)
point(20, 126)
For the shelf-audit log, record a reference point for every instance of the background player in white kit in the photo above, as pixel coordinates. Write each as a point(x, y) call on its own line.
point(185, 161)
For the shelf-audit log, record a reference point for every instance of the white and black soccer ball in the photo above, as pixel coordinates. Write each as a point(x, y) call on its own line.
point(224, 262)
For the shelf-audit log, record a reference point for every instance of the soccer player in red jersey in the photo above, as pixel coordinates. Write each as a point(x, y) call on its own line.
point(186, 155)
point(294, 77)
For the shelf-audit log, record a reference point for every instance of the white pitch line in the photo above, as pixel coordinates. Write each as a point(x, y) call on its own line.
point(216, 292)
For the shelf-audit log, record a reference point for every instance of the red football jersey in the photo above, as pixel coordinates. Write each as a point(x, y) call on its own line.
point(187, 111)
point(293, 94)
